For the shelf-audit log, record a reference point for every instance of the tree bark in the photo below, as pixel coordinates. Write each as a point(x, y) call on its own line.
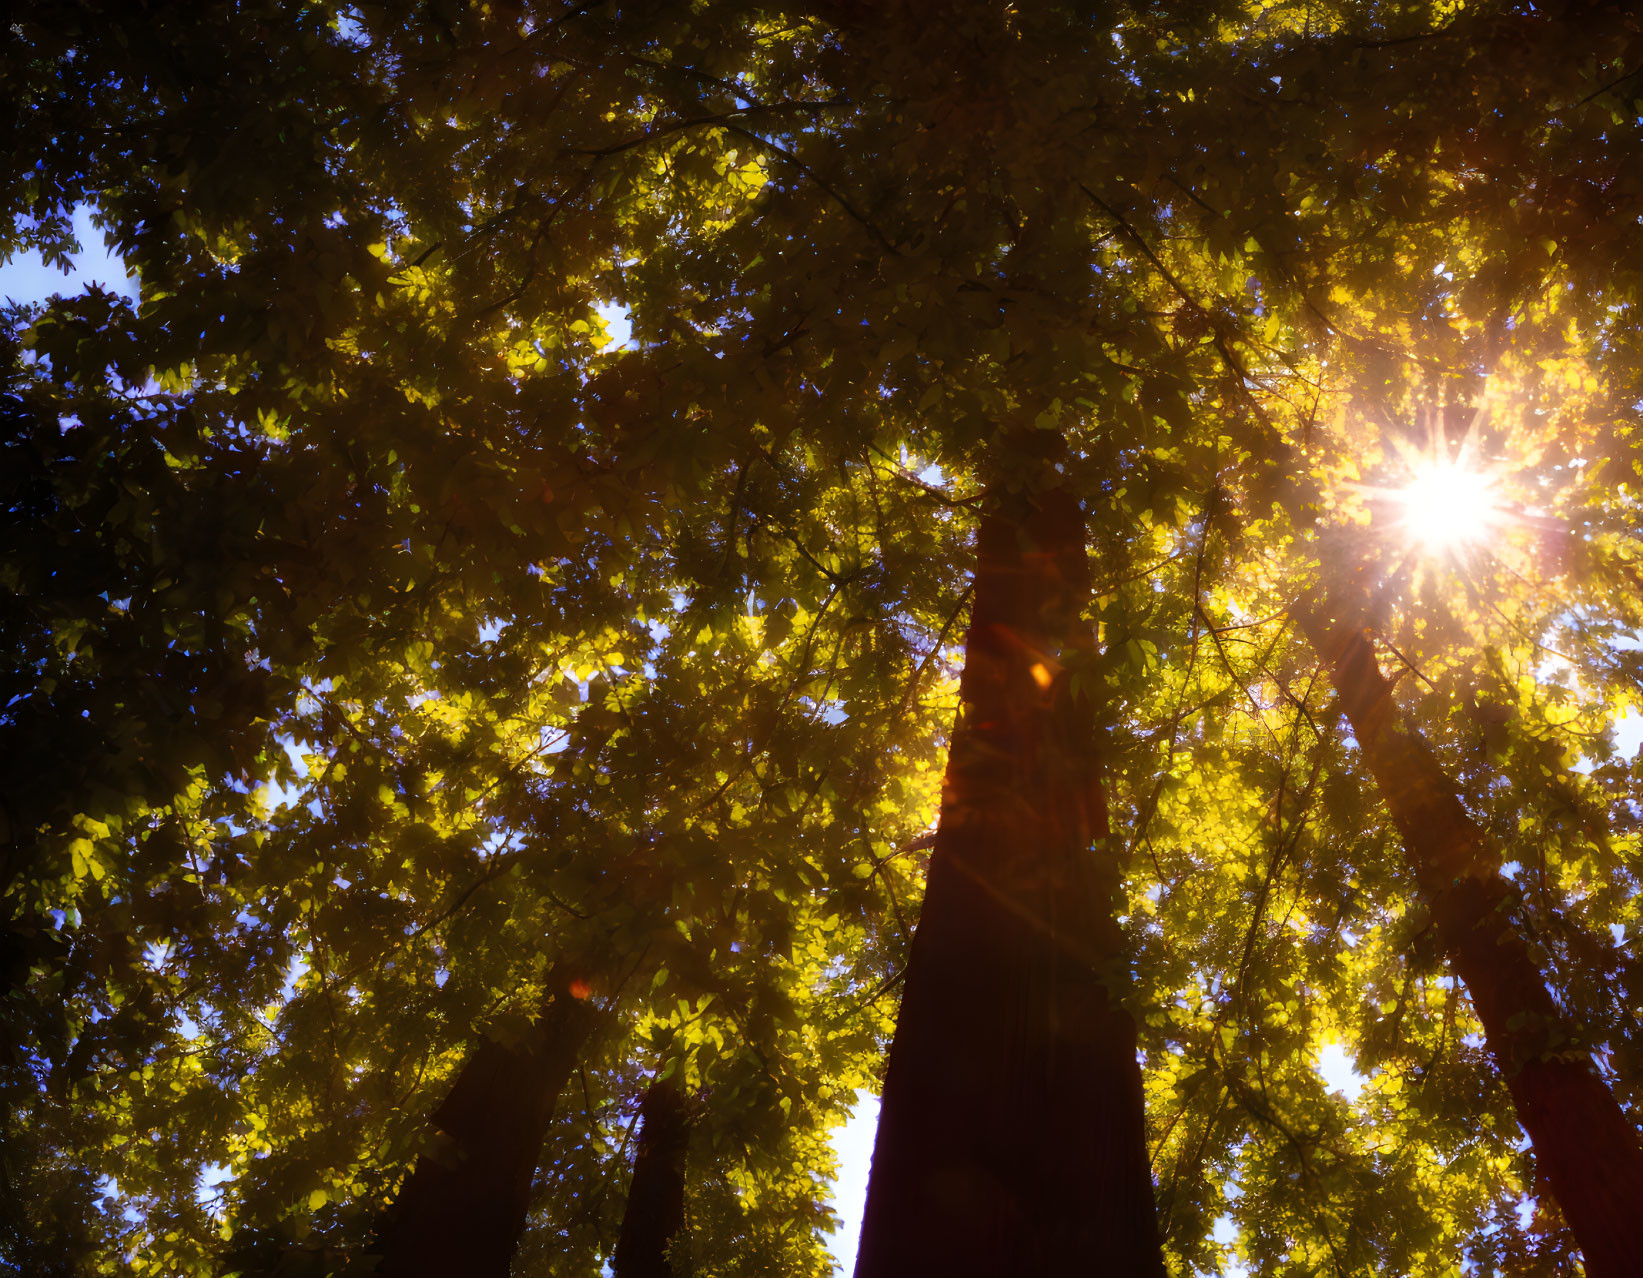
point(462, 1208)
point(656, 1197)
point(1011, 1135)
point(1585, 1147)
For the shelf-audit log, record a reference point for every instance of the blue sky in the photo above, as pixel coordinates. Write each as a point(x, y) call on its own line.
point(853, 1143)
point(26, 278)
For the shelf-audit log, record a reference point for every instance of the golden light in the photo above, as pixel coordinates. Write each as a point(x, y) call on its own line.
point(1448, 505)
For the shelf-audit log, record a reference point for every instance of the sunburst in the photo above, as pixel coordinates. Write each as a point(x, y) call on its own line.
point(1447, 504)
point(1448, 507)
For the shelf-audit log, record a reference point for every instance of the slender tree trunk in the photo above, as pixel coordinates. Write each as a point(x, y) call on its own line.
point(1011, 1136)
point(656, 1197)
point(1585, 1146)
point(462, 1208)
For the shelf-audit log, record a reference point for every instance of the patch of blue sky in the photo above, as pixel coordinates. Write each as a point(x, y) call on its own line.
point(833, 712)
point(279, 794)
point(26, 277)
point(1337, 1069)
point(208, 1187)
point(618, 325)
point(293, 973)
point(1225, 1232)
point(350, 27)
point(1555, 670)
point(109, 1188)
point(502, 841)
point(853, 1147)
point(1628, 732)
point(1628, 735)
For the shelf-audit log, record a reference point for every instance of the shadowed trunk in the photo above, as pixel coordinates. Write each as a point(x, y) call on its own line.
point(1011, 1137)
point(656, 1197)
point(1584, 1145)
point(462, 1208)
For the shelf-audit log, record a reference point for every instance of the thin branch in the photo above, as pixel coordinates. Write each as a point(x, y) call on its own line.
point(802, 167)
point(918, 675)
point(1602, 89)
point(697, 121)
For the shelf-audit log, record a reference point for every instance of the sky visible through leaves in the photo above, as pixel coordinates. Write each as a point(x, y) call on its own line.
point(27, 279)
point(512, 551)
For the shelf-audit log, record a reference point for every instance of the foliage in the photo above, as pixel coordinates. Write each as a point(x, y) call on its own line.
point(379, 633)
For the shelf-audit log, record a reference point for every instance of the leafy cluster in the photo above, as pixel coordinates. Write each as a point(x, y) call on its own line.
point(382, 634)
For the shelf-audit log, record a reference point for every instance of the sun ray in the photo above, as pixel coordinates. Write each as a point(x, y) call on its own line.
point(1450, 505)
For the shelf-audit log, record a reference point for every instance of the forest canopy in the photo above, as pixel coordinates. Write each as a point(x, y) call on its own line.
point(1142, 497)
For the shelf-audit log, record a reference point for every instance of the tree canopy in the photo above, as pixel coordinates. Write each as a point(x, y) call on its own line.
point(394, 659)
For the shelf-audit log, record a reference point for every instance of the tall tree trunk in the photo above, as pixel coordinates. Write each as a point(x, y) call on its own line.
point(1011, 1136)
point(462, 1208)
point(656, 1197)
point(1585, 1147)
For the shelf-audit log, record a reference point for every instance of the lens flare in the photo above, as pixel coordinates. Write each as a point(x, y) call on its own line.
point(1447, 507)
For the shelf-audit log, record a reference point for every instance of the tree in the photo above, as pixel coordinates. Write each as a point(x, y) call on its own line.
point(655, 1209)
point(382, 640)
point(1013, 1007)
point(1585, 1146)
point(463, 1205)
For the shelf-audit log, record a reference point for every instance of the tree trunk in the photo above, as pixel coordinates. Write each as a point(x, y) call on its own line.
point(1585, 1147)
point(656, 1197)
point(462, 1208)
point(1011, 1136)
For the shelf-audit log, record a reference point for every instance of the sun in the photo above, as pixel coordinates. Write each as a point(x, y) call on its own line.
point(1446, 509)
point(1448, 506)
